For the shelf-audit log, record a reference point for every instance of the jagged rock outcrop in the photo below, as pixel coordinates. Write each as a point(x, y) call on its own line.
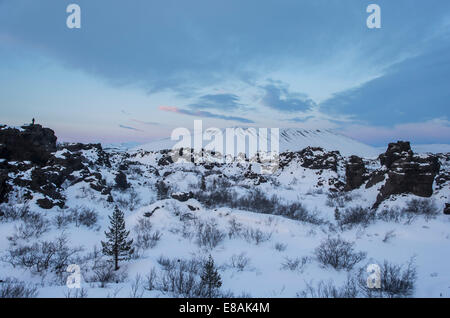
point(29, 143)
point(407, 173)
point(447, 209)
point(355, 173)
point(182, 196)
point(395, 151)
point(314, 158)
point(4, 187)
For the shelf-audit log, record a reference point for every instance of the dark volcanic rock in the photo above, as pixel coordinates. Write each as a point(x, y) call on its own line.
point(408, 173)
point(312, 158)
point(45, 203)
point(4, 187)
point(395, 151)
point(355, 173)
point(182, 196)
point(317, 158)
point(32, 143)
point(374, 178)
point(447, 209)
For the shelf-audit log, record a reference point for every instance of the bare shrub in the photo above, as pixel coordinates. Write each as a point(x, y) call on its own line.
point(208, 235)
point(356, 216)
point(14, 212)
point(13, 288)
point(329, 290)
point(128, 200)
point(396, 280)
point(295, 264)
point(80, 216)
point(413, 209)
point(53, 256)
point(137, 290)
point(280, 247)
point(338, 199)
point(77, 293)
point(235, 228)
point(34, 225)
point(256, 201)
point(423, 207)
point(180, 277)
point(151, 280)
point(145, 238)
point(240, 262)
point(338, 253)
point(255, 236)
point(390, 215)
point(87, 217)
point(388, 236)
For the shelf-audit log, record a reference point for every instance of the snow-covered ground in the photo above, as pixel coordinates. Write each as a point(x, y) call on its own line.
point(253, 251)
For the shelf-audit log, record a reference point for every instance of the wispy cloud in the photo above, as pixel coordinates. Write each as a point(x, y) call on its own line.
point(278, 97)
point(129, 128)
point(217, 101)
point(148, 123)
point(204, 114)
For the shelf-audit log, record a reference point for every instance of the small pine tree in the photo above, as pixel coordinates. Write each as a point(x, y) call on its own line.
point(117, 245)
point(210, 279)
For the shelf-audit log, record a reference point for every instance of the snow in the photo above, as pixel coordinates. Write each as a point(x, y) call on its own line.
point(425, 240)
point(294, 140)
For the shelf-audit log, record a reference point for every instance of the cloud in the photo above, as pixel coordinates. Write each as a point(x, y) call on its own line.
point(203, 114)
point(129, 128)
point(217, 101)
point(280, 98)
point(219, 39)
point(414, 90)
point(148, 123)
point(432, 131)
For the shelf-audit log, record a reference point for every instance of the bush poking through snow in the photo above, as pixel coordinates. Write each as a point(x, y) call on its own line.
point(280, 247)
point(145, 238)
point(13, 288)
point(338, 253)
point(14, 212)
point(356, 216)
point(396, 280)
point(239, 262)
point(34, 225)
point(414, 208)
point(208, 234)
point(329, 290)
point(338, 199)
point(255, 236)
point(80, 216)
point(423, 207)
point(388, 236)
point(53, 256)
point(256, 201)
point(295, 264)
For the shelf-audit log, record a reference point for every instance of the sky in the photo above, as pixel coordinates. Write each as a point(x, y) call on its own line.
point(137, 69)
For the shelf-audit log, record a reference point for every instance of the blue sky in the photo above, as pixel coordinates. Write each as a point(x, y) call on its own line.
point(137, 69)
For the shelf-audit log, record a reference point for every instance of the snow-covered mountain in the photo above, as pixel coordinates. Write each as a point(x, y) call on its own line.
point(292, 139)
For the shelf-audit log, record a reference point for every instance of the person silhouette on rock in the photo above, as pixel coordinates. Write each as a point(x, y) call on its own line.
point(32, 122)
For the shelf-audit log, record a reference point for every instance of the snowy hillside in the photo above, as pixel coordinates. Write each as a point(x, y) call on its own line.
point(310, 229)
point(293, 140)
